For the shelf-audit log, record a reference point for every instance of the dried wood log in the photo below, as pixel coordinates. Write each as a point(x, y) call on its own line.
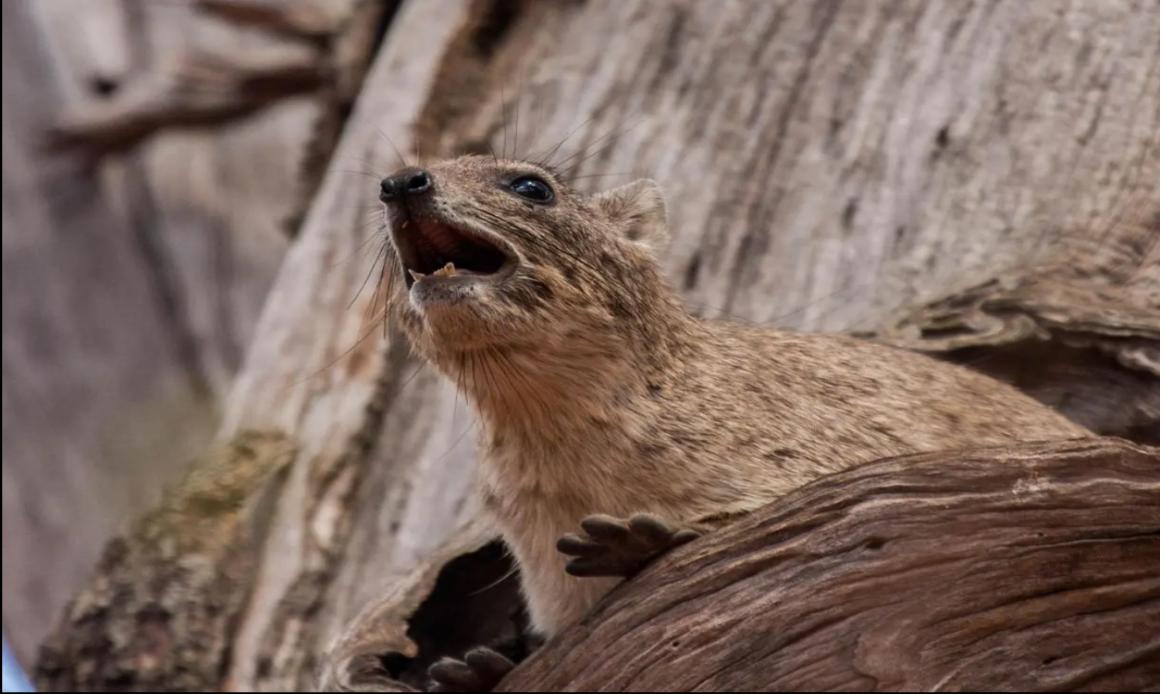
point(1025, 567)
point(1029, 567)
point(315, 48)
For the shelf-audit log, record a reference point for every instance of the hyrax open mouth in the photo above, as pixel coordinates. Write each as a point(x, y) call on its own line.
point(432, 249)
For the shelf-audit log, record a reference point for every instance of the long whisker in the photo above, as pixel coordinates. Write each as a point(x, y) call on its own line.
point(329, 365)
point(503, 119)
point(516, 126)
point(399, 154)
point(368, 174)
point(605, 141)
point(512, 572)
point(545, 159)
point(378, 256)
point(358, 250)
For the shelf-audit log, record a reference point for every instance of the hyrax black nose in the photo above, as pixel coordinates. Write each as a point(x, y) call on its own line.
point(406, 182)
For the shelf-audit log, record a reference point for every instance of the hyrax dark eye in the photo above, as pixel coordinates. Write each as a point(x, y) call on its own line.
point(533, 188)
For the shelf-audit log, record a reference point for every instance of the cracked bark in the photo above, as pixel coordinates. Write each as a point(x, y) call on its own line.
point(930, 572)
point(922, 147)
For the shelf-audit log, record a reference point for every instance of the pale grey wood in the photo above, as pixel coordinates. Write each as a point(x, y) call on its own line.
point(132, 284)
point(835, 160)
point(99, 407)
point(319, 363)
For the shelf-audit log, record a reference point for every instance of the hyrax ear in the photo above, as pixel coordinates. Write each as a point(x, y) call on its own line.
point(638, 209)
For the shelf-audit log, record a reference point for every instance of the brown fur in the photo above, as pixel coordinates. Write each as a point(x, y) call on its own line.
point(599, 393)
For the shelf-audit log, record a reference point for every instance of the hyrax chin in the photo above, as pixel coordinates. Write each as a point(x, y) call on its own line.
point(602, 399)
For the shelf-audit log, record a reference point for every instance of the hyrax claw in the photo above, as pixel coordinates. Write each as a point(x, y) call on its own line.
point(612, 547)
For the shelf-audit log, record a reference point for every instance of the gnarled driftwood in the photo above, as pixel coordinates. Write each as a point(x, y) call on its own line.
point(1027, 567)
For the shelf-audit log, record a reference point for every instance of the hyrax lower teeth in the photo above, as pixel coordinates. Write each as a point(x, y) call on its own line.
point(447, 270)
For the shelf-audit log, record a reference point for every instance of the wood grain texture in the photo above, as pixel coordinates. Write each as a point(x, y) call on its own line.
point(1029, 567)
point(834, 161)
point(159, 614)
point(809, 180)
point(823, 163)
point(1080, 331)
point(322, 364)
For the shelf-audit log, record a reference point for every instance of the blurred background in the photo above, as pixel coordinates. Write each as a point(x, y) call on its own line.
point(136, 256)
point(187, 181)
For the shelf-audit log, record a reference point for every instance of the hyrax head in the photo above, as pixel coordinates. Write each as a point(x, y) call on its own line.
point(498, 253)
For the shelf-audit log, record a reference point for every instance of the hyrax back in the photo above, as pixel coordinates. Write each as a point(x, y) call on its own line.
point(599, 393)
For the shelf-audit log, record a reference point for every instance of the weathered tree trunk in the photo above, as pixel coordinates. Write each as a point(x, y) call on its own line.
point(132, 283)
point(824, 163)
point(1080, 332)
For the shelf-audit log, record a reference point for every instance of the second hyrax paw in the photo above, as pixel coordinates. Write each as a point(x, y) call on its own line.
point(621, 548)
point(479, 671)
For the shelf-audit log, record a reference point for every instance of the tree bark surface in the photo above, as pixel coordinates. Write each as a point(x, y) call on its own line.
point(1030, 567)
point(824, 164)
point(142, 231)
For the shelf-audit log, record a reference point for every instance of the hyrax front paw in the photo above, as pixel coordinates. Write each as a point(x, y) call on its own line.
point(620, 548)
point(480, 671)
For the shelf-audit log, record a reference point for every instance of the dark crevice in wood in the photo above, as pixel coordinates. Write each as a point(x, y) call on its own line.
point(1082, 382)
point(1079, 331)
point(295, 623)
point(476, 601)
point(461, 85)
point(942, 138)
point(338, 104)
point(104, 86)
point(692, 272)
point(498, 17)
